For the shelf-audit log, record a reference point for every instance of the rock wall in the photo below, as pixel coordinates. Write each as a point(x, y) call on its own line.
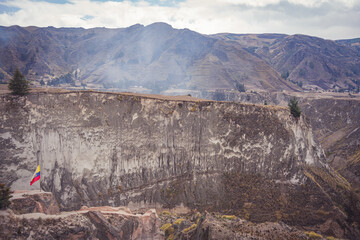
point(143, 151)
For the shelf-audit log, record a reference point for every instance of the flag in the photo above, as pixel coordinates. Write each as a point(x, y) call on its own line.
point(36, 175)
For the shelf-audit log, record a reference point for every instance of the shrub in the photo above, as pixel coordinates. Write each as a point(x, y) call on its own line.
point(166, 213)
point(313, 235)
point(186, 230)
point(240, 87)
point(285, 75)
point(179, 221)
point(294, 107)
point(5, 195)
point(229, 217)
point(165, 226)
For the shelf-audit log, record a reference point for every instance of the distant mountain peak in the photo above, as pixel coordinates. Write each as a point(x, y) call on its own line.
point(159, 57)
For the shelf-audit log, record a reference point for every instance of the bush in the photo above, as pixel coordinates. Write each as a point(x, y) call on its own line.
point(5, 195)
point(240, 87)
point(294, 107)
point(228, 217)
point(285, 75)
point(18, 84)
point(313, 235)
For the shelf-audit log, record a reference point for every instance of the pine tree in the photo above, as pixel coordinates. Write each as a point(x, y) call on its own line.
point(294, 107)
point(5, 195)
point(18, 84)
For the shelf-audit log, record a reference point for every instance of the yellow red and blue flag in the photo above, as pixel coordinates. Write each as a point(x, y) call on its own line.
point(36, 176)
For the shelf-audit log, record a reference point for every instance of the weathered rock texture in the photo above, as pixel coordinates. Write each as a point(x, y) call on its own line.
point(34, 202)
point(100, 223)
point(121, 149)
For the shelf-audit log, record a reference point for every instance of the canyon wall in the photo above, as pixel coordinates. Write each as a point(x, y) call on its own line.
point(122, 149)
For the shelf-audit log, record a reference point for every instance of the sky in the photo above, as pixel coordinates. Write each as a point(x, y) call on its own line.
point(329, 19)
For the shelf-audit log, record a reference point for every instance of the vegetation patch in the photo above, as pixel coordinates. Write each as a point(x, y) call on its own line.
point(166, 213)
point(5, 195)
point(165, 226)
point(192, 227)
point(18, 85)
point(313, 235)
point(179, 221)
point(194, 108)
point(228, 217)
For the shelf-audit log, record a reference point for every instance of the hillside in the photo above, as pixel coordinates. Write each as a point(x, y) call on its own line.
point(310, 62)
point(157, 58)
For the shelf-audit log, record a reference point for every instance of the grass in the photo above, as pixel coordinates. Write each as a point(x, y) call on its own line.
point(166, 213)
point(313, 235)
point(192, 227)
point(179, 221)
point(165, 226)
point(228, 217)
point(331, 238)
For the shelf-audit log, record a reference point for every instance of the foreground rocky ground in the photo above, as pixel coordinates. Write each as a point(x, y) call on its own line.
point(35, 215)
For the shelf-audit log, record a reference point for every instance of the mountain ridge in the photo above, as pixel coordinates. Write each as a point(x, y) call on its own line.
point(158, 57)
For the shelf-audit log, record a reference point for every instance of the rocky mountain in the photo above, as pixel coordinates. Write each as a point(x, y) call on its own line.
point(355, 43)
point(310, 62)
point(158, 58)
point(96, 148)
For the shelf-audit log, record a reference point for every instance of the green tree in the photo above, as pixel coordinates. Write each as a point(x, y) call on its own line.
point(294, 107)
point(18, 84)
point(240, 87)
point(5, 195)
point(285, 75)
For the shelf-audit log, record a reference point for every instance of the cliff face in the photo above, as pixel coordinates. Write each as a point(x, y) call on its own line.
point(121, 149)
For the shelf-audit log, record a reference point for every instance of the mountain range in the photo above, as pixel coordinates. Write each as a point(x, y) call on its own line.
point(157, 58)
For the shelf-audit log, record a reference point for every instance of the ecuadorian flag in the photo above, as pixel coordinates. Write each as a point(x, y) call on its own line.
point(36, 175)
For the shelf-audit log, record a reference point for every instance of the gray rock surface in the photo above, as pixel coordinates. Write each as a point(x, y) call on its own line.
point(95, 149)
point(99, 148)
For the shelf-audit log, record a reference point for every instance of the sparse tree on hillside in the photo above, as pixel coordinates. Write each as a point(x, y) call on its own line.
point(285, 75)
point(18, 84)
point(240, 87)
point(5, 195)
point(294, 107)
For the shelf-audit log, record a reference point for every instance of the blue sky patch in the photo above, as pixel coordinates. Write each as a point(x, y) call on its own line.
point(87, 17)
point(53, 1)
point(6, 9)
point(167, 3)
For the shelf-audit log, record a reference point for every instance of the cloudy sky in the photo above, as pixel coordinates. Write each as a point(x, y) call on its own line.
point(331, 19)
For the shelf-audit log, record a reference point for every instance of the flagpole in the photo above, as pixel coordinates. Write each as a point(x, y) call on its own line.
point(40, 178)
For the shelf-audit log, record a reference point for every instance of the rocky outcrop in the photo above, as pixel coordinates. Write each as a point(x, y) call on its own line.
point(87, 223)
point(34, 202)
point(105, 222)
point(143, 151)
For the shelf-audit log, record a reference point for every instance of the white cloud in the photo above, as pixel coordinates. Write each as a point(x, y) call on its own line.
point(324, 18)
